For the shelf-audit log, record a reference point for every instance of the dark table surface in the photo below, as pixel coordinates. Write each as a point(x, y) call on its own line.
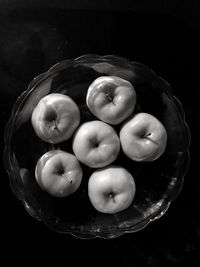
point(164, 37)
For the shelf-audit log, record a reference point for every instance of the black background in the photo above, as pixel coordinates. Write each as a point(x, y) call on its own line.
point(164, 35)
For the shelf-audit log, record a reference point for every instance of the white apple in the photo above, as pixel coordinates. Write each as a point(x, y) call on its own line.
point(111, 99)
point(111, 189)
point(58, 173)
point(96, 144)
point(143, 137)
point(55, 118)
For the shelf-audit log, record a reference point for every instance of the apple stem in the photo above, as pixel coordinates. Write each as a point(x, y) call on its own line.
point(111, 196)
point(146, 135)
point(110, 98)
point(55, 125)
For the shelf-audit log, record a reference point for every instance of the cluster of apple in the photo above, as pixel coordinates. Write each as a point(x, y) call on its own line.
point(112, 100)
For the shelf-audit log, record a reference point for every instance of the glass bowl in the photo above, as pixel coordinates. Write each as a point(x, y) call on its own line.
point(157, 183)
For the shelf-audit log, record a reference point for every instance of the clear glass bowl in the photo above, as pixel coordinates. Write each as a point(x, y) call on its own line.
point(157, 183)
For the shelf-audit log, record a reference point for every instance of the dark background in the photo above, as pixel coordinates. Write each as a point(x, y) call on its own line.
point(164, 35)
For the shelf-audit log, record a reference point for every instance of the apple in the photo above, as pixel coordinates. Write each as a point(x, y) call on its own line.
point(111, 99)
point(55, 118)
point(59, 173)
point(143, 137)
point(96, 144)
point(111, 189)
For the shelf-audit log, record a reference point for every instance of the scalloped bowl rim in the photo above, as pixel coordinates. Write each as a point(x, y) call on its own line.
point(94, 233)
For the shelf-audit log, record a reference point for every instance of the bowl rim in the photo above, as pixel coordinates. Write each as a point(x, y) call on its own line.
point(8, 160)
